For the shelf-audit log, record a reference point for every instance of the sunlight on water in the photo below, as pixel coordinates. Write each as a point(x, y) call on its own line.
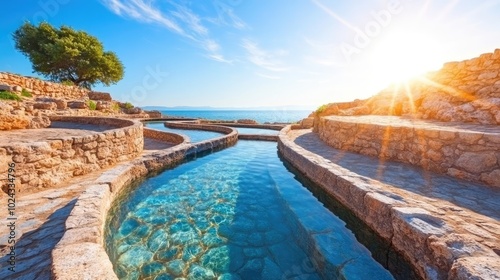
point(219, 217)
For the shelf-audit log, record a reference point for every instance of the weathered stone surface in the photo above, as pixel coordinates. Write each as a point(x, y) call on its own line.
point(60, 103)
point(39, 87)
point(99, 96)
point(246, 121)
point(5, 87)
point(154, 114)
point(475, 268)
point(45, 105)
point(467, 152)
point(133, 111)
point(77, 105)
point(39, 122)
point(103, 105)
point(81, 261)
point(477, 162)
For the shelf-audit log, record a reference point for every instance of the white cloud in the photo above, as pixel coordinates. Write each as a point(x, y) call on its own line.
point(265, 59)
point(178, 19)
point(270, 77)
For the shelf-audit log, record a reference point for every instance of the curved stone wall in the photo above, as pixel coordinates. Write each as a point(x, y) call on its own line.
point(164, 136)
point(83, 239)
point(464, 151)
point(426, 241)
point(46, 163)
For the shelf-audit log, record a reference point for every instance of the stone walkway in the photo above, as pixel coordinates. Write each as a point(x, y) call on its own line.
point(56, 130)
point(469, 208)
point(41, 218)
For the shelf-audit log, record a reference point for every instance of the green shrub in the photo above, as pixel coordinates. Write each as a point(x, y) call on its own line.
point(116, 107)
point(321, 109)
point(67, 83)
point(92, 105)
point(129, 105)
point(26, 93)
point(7, 95)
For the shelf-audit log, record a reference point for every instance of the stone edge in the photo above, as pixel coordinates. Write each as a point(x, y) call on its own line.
point(80, 254)
point(431, 254)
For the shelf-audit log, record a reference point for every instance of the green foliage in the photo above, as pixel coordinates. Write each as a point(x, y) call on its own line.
point(116, 107)
point(321, 109)
point(7, 95)
point(128, 105)
point(92, 105)
point(26, 93)
point(67, 83)
point(68, 55)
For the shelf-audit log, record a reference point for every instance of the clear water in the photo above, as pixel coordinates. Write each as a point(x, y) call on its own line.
point(194, 135)
point(229, 215)
point(261, 116)
point(260, 131)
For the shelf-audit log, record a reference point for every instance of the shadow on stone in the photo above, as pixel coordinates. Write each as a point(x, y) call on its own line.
point(33, 250)
point(473, 196)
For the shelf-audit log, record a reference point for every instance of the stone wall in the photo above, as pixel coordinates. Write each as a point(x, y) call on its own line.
point(465, 91)
point(43, 88)
point(163, 136)
point(467, 152)
point(47, 163)
point(422, 237)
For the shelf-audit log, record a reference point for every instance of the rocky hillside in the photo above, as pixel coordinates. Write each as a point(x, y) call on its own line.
point(28, 102)
point(465, 91)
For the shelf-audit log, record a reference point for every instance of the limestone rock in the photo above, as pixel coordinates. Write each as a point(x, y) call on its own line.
point(8, 121)
point(133, 111)
point(475, 268)
point(17, 89)
point(77, 105)
point(5, 87)
point(60, 103)
point(476, 162)
point(45, 105)
point(246, 121)
point(103, 105)
point(154, 114)
point(99, 96)
point(39, 122)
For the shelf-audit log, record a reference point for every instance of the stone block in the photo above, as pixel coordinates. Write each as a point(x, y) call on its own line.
point(99, 96)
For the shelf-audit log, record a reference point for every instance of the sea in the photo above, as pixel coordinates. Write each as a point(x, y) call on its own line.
point(260, 116)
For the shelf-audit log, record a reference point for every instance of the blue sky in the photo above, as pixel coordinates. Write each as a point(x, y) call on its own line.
point(246, 53)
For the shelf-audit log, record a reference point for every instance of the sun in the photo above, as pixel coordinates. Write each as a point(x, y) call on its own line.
point(404, 54)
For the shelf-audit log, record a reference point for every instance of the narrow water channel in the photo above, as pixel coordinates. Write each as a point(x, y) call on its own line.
point(234, 214)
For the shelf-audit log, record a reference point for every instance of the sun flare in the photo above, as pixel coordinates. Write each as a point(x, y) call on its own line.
point(405, 54)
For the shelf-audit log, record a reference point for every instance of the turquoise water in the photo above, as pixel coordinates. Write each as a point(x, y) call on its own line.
point(194, 135)
point(234, 214)
point(261, 116)
point(245, 130)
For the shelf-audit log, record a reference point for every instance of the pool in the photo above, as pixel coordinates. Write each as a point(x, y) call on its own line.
point(259, 131)
point(194, 135)
point(234, 214)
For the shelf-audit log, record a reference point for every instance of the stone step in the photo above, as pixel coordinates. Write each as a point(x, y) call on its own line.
point(466, 151)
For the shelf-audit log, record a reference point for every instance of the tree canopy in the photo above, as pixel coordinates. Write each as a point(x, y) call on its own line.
point(66, 54)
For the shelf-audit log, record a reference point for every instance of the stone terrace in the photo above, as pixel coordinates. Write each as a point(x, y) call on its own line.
point(446, 227)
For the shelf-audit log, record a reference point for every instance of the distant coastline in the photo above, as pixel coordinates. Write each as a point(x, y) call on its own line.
point(260, 116)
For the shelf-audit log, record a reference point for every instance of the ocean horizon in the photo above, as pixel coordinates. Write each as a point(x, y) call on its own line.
point(260, 116)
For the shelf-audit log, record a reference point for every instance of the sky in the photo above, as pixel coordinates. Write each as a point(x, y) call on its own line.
point(250, 53)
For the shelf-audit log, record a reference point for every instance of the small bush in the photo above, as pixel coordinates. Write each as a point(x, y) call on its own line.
point(92, 105)
point(7, 95)
point(67, 83)
point(321, 109)
point(26, 93)
point(116, 107)
point(129, 105)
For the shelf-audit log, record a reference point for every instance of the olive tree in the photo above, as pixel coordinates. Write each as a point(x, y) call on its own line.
point(68, 55)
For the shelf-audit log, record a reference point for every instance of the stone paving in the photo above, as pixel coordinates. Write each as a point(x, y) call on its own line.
point(56, 130)
point(470, 207)
point(41, 218)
